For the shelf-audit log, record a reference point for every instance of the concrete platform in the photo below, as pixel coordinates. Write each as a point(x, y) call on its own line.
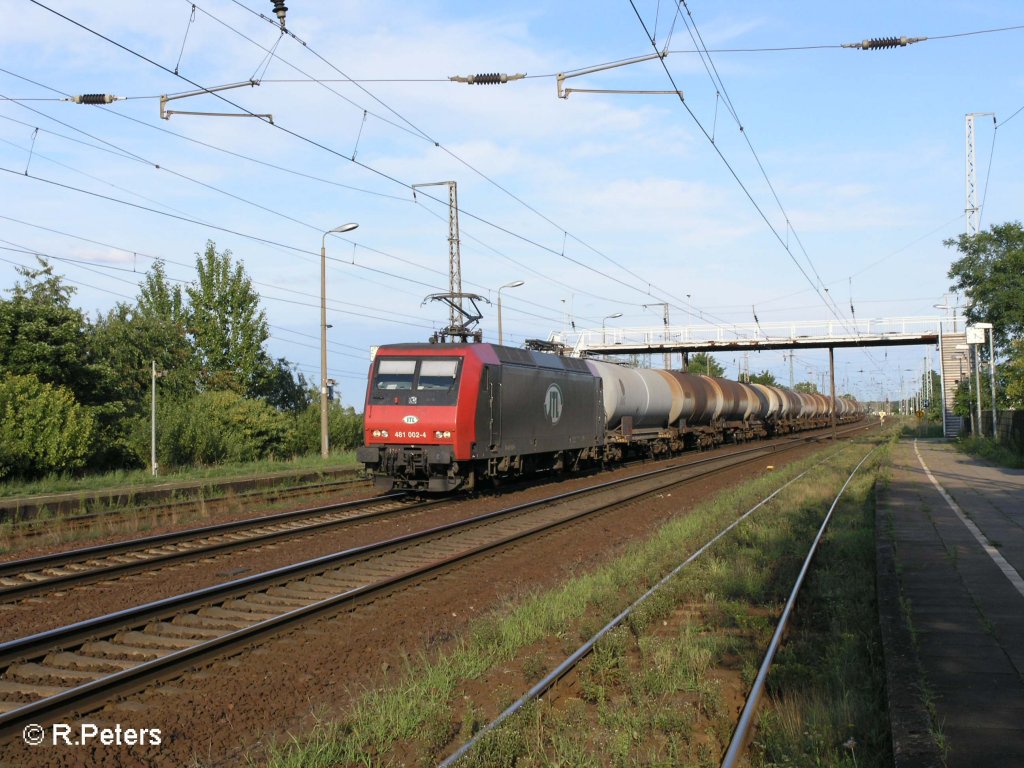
point(950, 535)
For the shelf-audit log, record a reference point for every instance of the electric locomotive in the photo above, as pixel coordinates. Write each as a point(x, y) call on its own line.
point(439, 417)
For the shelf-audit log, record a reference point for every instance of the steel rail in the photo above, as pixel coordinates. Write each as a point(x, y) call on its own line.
point(271, 585)
point(571, 661)
point(35, 581)
point(743, 726)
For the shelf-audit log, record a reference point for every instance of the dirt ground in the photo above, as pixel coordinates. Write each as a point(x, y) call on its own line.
point(232, 707)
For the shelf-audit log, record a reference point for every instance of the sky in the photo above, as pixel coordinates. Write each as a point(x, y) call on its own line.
point(779, 173)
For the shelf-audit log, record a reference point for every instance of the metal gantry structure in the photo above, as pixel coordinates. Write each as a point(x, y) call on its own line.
point(460, 320)
point(971, 210)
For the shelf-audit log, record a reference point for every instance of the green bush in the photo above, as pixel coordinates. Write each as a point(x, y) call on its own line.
point(43, 429)
point(219, 426)
point(345, 427)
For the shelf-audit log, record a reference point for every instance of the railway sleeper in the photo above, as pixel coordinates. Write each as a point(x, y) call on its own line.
point(95, 663)
point(175, 629)
point(33, 672)
point(308, 586)
point(261, 601)
point(25, 693)
point(226, 613)
point(165, 643)
point(218, 622)
point(118, 650)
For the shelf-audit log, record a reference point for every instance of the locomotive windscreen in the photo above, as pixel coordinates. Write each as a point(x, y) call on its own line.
point(422, 381)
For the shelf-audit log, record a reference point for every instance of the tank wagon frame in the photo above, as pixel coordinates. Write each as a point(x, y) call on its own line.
point(441, 417)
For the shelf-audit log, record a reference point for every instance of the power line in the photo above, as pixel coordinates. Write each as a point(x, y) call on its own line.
point(362, 313)
point(459, 159)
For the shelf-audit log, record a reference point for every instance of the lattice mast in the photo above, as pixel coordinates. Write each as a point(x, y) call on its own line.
point(971, 210)
point(454, 257)
point(461, 321)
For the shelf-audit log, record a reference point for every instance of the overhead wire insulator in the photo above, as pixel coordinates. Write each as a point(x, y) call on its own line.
point(280, 9)
point(878, 43)
point(93, 98)
point(489, 78)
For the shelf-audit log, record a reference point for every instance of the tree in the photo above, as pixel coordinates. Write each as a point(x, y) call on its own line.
point(808, 387)
point(702, 362)
point(42, 335)
point(991, 273)
point(281, 386)
point(225, 323)
point(1012, 373)
point(764, 377)
point(43, 429)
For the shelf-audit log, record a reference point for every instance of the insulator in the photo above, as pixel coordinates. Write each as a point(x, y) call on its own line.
point(489, 78)
point(883, 42)
point(280, 9)
point(94, 98)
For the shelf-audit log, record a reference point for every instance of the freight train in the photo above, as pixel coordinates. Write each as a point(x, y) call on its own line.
point(442, 417)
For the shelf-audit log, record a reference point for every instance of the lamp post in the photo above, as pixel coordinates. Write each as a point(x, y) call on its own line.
point(607, 317)
point(324, 443)
point(991, 372)
point(513, 284)
point(152, 424)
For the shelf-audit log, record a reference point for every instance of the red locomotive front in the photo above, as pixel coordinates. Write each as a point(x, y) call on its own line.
point(419, 420)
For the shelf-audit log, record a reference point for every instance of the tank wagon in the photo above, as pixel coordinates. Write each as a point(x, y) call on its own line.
point(441, 417)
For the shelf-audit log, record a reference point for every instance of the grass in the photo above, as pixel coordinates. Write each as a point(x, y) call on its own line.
point(1003, 454)
point(143, 477)
point(659, 690)
point(914, 427)
point(827, 703)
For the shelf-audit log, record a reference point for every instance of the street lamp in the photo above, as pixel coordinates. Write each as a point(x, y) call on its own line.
point(607, 317)
point(324, 443)
point(513, 284)
point(152, 437)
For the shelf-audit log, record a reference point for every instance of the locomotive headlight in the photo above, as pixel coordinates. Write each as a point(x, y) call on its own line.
point(384, 433)
point(438, 434)
point(376, 433)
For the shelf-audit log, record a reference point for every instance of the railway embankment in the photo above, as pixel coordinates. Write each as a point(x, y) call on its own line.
point(28, 507)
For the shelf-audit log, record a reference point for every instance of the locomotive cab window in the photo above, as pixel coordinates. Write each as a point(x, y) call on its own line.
point(426, 381)
point(437, 374)
point(394, 374)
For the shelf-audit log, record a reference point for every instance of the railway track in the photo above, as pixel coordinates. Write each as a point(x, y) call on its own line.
point(742, 731)
point(35, 526)
point(53, 572)
point(47, 573)
point(77, 666)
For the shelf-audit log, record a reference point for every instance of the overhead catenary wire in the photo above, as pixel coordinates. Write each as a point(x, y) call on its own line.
point(728, 165)
point(817, 287)
point(719, 84)
point(326, 148)
point(472, 168)
point(115, 149)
